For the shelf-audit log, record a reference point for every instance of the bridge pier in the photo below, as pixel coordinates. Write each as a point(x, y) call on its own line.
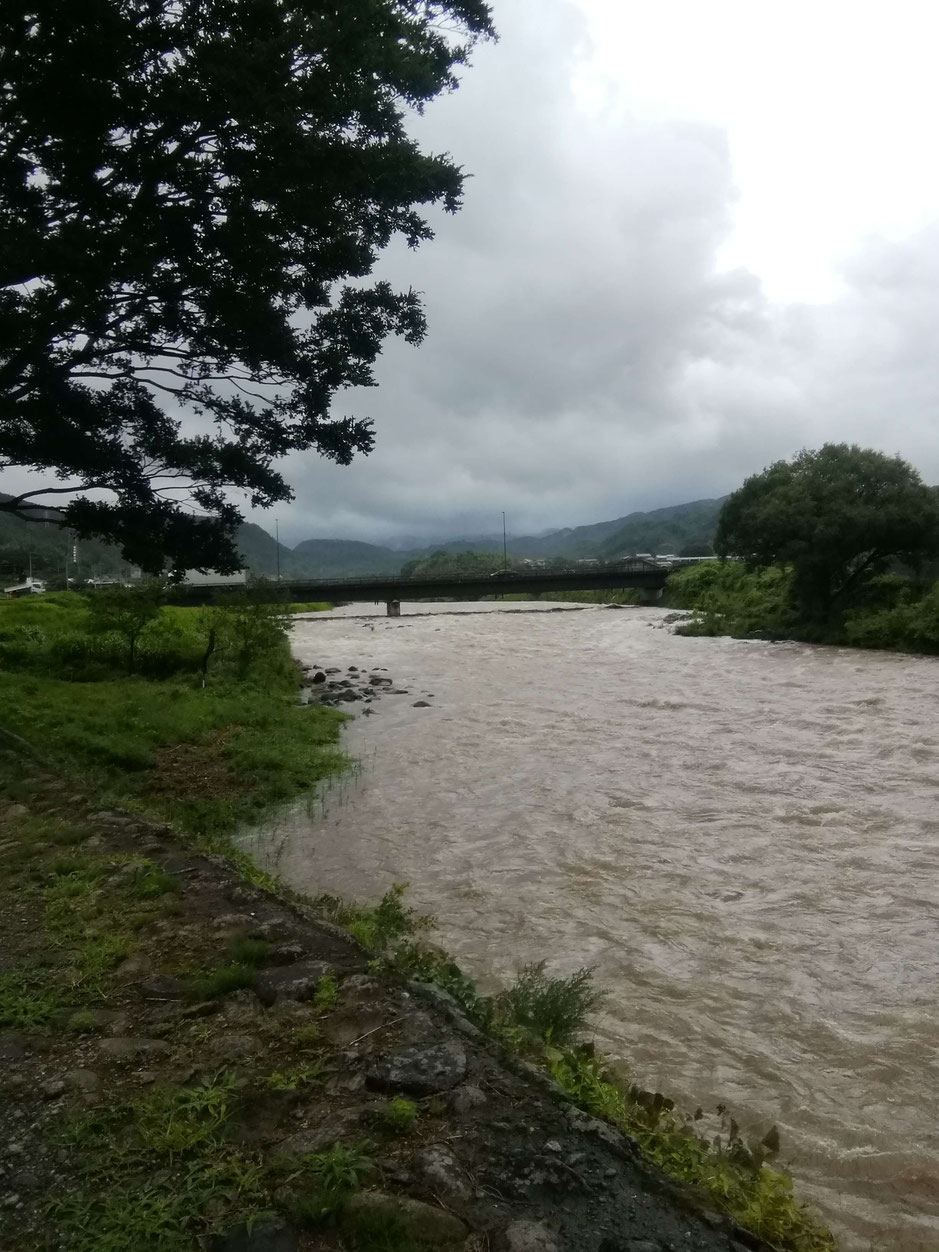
point(650, 595)
point(393, 608)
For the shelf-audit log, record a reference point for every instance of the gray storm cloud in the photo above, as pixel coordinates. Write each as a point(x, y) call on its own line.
point(587, 356)
point(587, 353)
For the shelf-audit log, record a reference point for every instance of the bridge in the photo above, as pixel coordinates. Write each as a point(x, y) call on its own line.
point(648, 576)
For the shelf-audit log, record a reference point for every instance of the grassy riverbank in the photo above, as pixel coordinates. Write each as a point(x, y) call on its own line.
point(896, 612)
point(205, 737)
point(203, 751)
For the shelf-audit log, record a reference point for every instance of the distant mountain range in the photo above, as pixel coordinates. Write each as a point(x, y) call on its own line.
point(672, 529)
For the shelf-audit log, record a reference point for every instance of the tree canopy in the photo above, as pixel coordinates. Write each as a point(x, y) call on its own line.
point(190, 198)
point(838, 516)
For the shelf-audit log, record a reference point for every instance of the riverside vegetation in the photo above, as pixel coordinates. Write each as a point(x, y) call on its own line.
point(838, 545)
point(191, 717)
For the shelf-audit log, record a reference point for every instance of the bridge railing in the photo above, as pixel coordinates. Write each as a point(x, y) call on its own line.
point(392, 580)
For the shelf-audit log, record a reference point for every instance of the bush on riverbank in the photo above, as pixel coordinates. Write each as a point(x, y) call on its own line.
point(725, 598)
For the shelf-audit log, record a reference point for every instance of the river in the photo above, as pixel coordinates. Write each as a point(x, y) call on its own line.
point(742, 838)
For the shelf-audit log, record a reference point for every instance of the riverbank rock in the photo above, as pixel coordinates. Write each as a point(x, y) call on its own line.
point(434, 1226)
point(268, 1234)
point(420, 1071)
point(527, 1236)
point(295, 982)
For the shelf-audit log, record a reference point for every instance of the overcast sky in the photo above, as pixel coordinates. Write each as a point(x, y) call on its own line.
point(697, 237)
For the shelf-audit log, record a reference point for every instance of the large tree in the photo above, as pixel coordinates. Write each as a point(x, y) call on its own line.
point(190, 196)
point(838, 516)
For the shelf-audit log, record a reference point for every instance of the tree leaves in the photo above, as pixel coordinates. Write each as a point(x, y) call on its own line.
point(183, 191)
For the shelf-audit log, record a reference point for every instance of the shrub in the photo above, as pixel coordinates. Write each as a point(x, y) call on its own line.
point(546, 1007)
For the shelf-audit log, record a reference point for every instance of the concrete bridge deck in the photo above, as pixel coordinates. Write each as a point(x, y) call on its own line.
point(647, 576)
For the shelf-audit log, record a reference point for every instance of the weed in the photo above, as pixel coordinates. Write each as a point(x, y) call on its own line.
point(219, 982)
point(336, 1174)
point(326, 995)
point(177, 1119)
point(308, 1036)
point(83, 1022)
point(245, 950)
point(551, 1009)
point(306, 1075)
point(27, 1001)
point(102, 953)
point(149, 882)
point(759, 1198)
point(380, 927)
point(400, 1115)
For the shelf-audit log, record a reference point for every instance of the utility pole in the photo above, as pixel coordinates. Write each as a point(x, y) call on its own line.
point(277, 542)
point(505, 557)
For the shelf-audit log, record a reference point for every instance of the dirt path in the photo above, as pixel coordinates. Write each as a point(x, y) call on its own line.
point(187, 1060)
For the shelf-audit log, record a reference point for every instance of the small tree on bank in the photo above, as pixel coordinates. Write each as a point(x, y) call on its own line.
point(838, 516)
point(125, 611)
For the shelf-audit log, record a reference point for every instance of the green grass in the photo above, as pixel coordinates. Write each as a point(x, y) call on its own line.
point(247, 747)
point(306, 1074)
point(221, 981)
point(329, 1178)
point(400, 1115)
point(159, 1171)
point(28, 1001)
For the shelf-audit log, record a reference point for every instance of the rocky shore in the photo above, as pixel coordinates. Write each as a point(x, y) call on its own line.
point(184, 1047)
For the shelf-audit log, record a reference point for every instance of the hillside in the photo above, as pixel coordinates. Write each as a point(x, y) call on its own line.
point(664, 530)
point(50, 547)
point(671, 529)
point(337, 558)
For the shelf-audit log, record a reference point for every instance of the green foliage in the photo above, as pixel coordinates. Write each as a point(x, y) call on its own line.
point(911, 622)
point(175, 1120)
point(27, 1001)
point(83, 1022)
point(175, 1139)
point(308, 1074)
point(400, 1116)
point(734, 1177)
point(444, 564)
point(250, 626)
point(729, 599)
point(326, 995)
point(377, 928)
point(551, 1009)
point(221, 981)
point(837, 516)
point(180, 232)
point(248, 744)
point(247, 950)
point(125, 611)
point(333, 1176)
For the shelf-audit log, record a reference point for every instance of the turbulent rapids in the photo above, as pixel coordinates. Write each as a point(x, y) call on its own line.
point(742, 838)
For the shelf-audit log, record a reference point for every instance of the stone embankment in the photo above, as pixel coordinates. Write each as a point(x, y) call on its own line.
point(323, 1047)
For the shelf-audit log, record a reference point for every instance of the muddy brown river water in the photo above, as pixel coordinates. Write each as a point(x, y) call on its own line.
point(742, 838)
